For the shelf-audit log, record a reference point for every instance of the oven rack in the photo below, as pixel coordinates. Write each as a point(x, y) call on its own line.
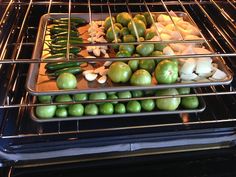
point(213, 117)
point(19, 43)
point(14, 67)
point(19, 46)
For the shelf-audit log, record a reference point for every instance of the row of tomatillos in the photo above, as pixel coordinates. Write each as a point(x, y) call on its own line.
point(114, 107)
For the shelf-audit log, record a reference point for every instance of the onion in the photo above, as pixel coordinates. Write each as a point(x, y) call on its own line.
point(203, 65)
point(189, 66)
point(219, 75)
point(188, 77)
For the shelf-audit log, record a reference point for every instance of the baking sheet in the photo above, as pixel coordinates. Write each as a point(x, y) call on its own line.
point(40, 84)
point(201, 107)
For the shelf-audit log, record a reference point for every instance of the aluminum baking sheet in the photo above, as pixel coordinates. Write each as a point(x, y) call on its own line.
point(40, 84)
point(201, 108)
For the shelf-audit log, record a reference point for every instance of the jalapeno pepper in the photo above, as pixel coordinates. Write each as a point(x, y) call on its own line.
point(65, 33)
point(63, 38)
point(74, 50)
point(72, 70)
point(60, 56)
point(77, 20)
point(61, 65)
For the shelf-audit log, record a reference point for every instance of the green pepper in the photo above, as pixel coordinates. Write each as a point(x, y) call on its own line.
point(55, 30)
point(61, 65)
point(72, 70)
point(60, 38)
point(72, 42)
point(65, 33)
point(65, 26)
point(74, 50)
point(77, 20)
point(59, 56)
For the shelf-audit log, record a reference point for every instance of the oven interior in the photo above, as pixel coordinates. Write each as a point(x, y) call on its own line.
point(19, 134)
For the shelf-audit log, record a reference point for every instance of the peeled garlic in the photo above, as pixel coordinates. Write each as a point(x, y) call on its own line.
point(107, 63)
point(102, 79)
point(97, 70)
point(106, 56)
point(97, 52)
point(103, 51)
point(89, 56)
point(103, 72)
point(90, 76)
point(90, 48)
point(87, 72)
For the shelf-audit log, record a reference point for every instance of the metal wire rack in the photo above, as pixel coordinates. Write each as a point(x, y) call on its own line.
point(18, 30)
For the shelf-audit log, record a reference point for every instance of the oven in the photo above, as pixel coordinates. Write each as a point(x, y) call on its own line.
point(164, 143)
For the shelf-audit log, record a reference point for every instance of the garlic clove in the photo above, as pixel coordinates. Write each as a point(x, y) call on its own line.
point(97, 52)
point(90, 76)
point(107, 56)
point(107, 63)
point(103, 72)
point(103, 51)
point(90, 48)
point(97, 70)
point(87, 72)
point(102, 79)
point(89, 56)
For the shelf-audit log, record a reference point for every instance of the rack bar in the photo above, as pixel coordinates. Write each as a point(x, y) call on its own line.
point(176, 27)
point(45, 27)
point(112, 24)
point(16, 49)
point(101, 4)
point(224, 14)
point(5, 13)
point(229, 1)
point(31, 135)
point(120, 100)
point(21, 29)
point(125, 58)
point(153, 22)
point(210, 19)
point(68, 35)
point(132, 21)
point(185, 10)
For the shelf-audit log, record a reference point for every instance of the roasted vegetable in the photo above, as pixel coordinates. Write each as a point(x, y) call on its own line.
point(61, 65)
point(74, 50)
point(72, 70)
point(77, 21)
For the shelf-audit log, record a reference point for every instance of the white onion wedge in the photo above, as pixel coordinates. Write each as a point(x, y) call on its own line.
point(189, 66)
point(203, 66)
point(188, 77)
point(219, 75)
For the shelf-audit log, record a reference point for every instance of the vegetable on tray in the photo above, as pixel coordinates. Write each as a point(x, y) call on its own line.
point(76, 108)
